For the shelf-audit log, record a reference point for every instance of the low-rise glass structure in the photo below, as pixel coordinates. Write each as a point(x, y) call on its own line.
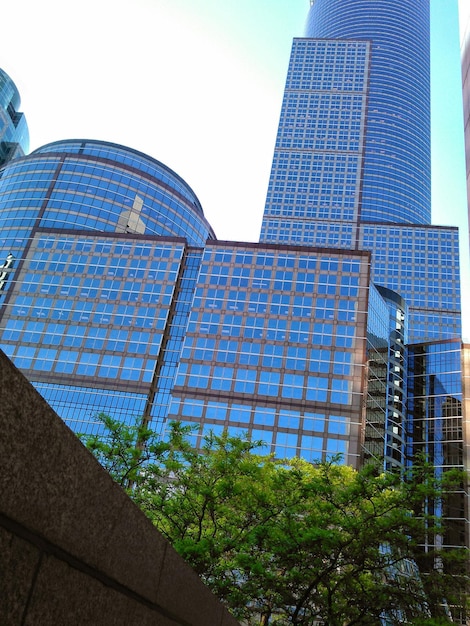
point(95, 241)
point(275, 346)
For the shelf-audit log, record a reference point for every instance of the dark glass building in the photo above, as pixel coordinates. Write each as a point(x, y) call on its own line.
point(14, 135)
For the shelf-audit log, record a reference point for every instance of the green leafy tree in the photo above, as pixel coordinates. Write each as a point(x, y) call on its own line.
point(124, 450)
point(285, 541)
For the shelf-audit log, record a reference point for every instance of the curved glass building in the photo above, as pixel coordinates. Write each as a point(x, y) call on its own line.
point(95, 247)
point(14, 134)
point(99, 186)
point(396, 184)
point(96, 186)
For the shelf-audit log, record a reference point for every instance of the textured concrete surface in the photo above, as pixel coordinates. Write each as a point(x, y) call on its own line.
point(73, 548)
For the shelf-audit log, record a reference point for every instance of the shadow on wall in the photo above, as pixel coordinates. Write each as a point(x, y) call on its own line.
point(74, 549)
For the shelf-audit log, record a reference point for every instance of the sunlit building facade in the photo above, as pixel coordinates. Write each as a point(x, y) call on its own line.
point(275, 345)
point(96, 238)
point(396, 177)
point(438, 376)
point(118, 299)
point(351, 166)
point(351, 170)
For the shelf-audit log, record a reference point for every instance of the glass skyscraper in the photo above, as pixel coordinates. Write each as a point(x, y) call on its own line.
point(396, 180)
point(351, 166)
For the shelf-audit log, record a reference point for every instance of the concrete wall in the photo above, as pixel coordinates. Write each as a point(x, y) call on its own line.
point(73, 548)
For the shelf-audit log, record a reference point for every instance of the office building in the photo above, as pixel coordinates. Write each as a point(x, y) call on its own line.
point(119, 299)
point(14, 135)
point(394, 44)
point(95, 237)
point(351, 165)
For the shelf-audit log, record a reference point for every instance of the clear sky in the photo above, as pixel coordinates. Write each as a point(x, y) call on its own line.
point(198, 85)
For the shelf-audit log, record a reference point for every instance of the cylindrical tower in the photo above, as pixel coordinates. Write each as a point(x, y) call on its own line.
point(396, 181)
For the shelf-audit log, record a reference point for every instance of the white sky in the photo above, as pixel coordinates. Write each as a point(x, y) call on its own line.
point(198, 85)
point(195, 84)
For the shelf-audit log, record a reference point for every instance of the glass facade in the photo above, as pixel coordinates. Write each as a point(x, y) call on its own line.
point(396, 177)
point(14, 134)
point(351, 170)
point(275, 347)
point(386, 419)
point(97, 277)
point(340, 178)
point(439, 426)
point(91, 311)
point(118, 299)
point(421, 263)
point(315, 183)
point(91, 185)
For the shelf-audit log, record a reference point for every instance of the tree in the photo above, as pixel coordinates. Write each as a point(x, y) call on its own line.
point(285, 541)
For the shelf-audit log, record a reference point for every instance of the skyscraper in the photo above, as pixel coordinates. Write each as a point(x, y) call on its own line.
point(351, 166)
point(396, 180)
point(351, 169)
